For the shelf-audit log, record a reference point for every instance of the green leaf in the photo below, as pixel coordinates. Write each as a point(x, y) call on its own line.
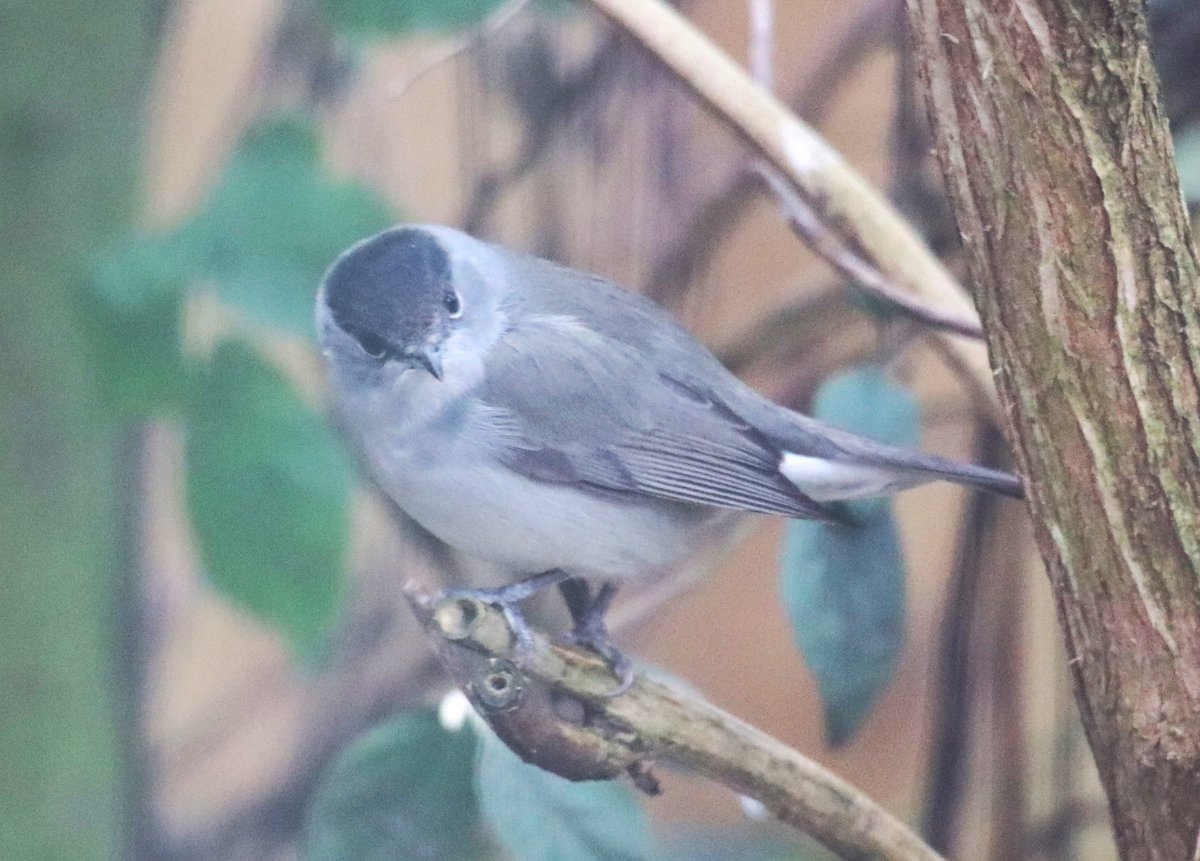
point(540, 816)
point(1187, 158)
point(843, 586)
point(73, 74)
point(268, 488)
point(393, 17)
point(403, 790)
point(275, 222)
point(131, 311)
point(746, 841)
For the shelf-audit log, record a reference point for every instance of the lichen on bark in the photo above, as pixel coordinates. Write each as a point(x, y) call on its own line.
point(1059, 165)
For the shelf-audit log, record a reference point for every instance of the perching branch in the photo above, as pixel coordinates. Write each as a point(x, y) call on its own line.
point(551, 704)
point(842, 200)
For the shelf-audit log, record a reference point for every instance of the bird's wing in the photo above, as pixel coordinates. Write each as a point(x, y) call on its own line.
point(566, 404)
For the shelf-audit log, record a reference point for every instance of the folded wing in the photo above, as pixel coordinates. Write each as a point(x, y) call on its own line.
point(570, 405)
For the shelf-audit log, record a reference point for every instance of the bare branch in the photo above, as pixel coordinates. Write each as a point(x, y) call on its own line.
point(717, 216)
point(447, 51)
point(552, 704)
point(806, 224)
point(762, 35)
point(809, 227)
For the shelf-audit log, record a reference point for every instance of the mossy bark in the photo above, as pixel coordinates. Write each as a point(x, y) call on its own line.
point(1059, 165)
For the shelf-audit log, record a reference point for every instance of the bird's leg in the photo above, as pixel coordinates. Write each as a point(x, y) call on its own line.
point(577, 595)
point(513, 592)
point(507, 598)
point(587, 611)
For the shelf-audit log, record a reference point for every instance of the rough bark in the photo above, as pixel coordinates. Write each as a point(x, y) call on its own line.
point(1059, 166)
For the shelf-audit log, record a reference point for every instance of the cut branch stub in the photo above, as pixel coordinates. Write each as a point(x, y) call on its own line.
point(545, 727)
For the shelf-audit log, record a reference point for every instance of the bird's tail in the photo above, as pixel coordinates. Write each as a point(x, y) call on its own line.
point(862, 469)
point(993, 480)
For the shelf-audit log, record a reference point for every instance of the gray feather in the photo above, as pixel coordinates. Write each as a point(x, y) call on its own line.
point(551, 386)
point(663, 371)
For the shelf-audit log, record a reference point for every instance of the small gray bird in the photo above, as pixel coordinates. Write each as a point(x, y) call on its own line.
point(565, 429)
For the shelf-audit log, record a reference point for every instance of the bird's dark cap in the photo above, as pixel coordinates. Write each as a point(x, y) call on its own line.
point(389, 286)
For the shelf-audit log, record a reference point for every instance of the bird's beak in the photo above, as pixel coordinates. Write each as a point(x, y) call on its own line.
point(429, 358)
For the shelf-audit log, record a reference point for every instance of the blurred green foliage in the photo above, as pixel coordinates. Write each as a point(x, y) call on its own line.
point(843, 586)
point(275, 222)
point(540, 816)
point(1187, 158)
point(132, 317)
point(72, 74)
point(390, 17)
point(268, 482)
point(268, 492)
point(403, 790)
point(747, 841)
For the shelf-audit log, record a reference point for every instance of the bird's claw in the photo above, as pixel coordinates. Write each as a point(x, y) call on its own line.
point(592, 635)
point(589, 632)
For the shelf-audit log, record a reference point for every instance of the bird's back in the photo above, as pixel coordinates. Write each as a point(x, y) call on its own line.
point(633, 320)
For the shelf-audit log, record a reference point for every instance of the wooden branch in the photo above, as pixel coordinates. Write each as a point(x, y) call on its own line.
point(1059, 167)
point(805, 224)
point(497, 20)
point(844, 201)
point(552, 705)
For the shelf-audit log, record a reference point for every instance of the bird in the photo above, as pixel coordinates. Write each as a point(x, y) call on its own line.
point(568, 430)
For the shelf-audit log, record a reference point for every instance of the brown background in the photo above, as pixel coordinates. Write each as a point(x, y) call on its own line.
point(228, 710)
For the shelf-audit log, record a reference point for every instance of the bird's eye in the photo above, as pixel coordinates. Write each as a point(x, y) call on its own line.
point(453, 304)
point(373, 345)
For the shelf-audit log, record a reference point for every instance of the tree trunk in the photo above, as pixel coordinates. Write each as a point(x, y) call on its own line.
point(1059, 166)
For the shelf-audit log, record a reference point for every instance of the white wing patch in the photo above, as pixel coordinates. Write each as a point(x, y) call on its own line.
point(829, 481)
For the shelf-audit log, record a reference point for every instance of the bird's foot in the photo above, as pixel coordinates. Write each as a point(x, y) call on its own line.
point(596, 639)
point(508, 597)
point(591, 633)
point(513, 593)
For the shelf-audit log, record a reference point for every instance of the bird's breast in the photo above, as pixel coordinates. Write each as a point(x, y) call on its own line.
point(472, 501)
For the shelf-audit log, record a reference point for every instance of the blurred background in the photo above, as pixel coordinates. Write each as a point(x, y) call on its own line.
point(204, 652)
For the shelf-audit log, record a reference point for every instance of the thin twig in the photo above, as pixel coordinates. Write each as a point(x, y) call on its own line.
point(762, 42)
point(524, 687)
point(805, 223)
point(945, 792)
point(447, 51)
point(809, 227)
point(841, 198)
point(1009, 710)
point(812, 330)
point(717, 216)
point(569, 98)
